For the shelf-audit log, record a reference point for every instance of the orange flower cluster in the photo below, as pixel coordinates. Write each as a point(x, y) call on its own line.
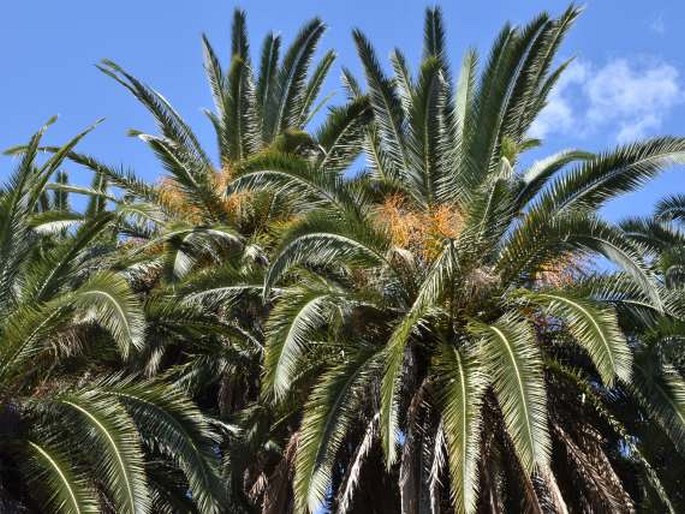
point(422, 232)
point(563, 271)
point(173, 198)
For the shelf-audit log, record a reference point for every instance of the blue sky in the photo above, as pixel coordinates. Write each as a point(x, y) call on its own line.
point(628, 79)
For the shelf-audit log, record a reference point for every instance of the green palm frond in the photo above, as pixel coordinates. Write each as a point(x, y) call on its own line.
point(435, 39)
point(671, 208)
point(386, 105)
point(172, 424)
point(462, 387)
point(514, 365)
point(107, 300)
point(433, 287)
point(331, 410)
point(290, 88)
point(240, 45)
point(529, 94)
point(123, 178)
point(542, 239)
point(350, 483)
point(63, 263)
point(537, 175)
point(341, 135)
point(661, 389)
point(595, 329)
point(425, 136)
point(291, 326)
point(324, 248)
point(170, 123)
point(26, 333)
point(107, 426)
point(484, 131)
point(457, 184)
point(61, 199)
point(268, 72)
point(24, 191)
point(318, 76)
point(97, 203)
point(69, 492)
point(240, 121)
point(613, 173)
point(55, 222)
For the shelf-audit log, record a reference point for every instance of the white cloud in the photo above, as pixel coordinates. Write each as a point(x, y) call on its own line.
point(626, 99)
point(559, 115)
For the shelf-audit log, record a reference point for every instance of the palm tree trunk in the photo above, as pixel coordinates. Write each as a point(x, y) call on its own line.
point(555, 493)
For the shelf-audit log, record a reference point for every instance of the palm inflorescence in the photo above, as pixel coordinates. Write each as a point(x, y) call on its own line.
point(284, 329)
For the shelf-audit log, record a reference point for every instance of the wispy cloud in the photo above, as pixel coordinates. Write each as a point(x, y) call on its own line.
point(657, 25)
point(626, 99)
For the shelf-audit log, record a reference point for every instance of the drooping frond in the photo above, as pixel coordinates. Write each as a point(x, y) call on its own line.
point(350, 482)
point(69, 493)
point(595, 329)
point(170, 423)
point(319, 245)
point(26, 333)
point(170, 123)
point(330, 411)
point(514, 365)
point(437, 280)
point(104, 423)
point(542, 238)
point(107, 300)
point(662, 393)
point(293, 322)
point(462, 386)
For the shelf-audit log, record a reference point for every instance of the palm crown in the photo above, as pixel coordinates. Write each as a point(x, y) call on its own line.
point(426, 296)
point(77, 435)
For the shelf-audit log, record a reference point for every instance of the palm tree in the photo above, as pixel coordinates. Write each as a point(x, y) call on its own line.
point(79, 435)
point(257, 115)
point(435, 307)
point(197, 255)
point(658, 342)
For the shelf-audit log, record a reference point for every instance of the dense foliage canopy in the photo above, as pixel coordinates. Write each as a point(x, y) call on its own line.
point(283, 329)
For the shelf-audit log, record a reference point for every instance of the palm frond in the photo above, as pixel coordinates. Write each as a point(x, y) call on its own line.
point(69, 492)
point(107, 300)
point(462, 387)
point(291, 84)
point(173, 425)
point(290, 328)
point(328, 414)
point(106, 425)
point(514, 365)
point(439, 276)
point(595, 329)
